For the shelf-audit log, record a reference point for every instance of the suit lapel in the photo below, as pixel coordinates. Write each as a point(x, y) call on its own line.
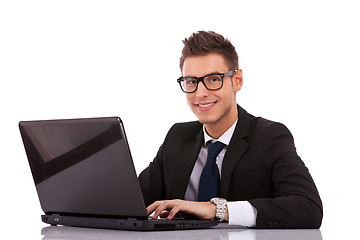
point(185, 165)
point(237, 147)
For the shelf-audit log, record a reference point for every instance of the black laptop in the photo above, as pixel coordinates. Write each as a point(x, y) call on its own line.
point(85, 176)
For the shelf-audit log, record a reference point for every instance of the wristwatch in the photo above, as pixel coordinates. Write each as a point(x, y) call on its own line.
point(220, 207)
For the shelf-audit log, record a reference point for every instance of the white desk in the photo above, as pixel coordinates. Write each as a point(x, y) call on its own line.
point(220, 232)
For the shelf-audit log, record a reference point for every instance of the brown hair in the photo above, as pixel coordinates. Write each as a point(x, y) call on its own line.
point(204, 42)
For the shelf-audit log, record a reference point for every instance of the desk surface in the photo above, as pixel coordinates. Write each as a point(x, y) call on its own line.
point(220, 232)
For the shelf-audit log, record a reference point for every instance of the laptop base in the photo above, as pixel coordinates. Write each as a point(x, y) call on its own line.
point(127, 224)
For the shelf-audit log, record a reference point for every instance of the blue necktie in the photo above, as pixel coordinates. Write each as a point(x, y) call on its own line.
point(209, 186)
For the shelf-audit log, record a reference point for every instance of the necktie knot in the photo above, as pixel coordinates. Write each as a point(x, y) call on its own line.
point(214, 149)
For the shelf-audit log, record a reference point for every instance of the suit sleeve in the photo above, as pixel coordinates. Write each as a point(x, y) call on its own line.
point(152, 180)
point(296, 202)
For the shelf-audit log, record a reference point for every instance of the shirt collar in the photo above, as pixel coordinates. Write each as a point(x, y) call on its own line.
point(225, 138)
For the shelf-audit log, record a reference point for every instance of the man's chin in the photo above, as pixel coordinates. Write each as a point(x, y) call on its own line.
point(205, 120)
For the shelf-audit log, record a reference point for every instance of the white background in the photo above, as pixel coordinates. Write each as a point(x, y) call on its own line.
point(70, 59)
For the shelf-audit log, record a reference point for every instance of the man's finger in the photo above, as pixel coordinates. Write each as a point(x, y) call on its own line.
point(174, 211)
point(151, 208)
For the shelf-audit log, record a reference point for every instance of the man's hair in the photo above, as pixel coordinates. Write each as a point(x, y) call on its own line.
point(205, 42)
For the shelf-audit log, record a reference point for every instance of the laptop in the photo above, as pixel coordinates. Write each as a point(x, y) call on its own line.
point(85, 176)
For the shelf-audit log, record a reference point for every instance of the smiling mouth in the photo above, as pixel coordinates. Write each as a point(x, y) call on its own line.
point(205, 105)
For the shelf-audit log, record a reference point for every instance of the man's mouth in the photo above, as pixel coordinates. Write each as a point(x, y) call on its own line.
point(205, 105)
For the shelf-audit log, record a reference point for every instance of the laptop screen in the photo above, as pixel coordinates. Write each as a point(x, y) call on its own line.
point(83, 167)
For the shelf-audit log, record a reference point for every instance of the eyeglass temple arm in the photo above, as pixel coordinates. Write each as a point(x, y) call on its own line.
point(232, 72)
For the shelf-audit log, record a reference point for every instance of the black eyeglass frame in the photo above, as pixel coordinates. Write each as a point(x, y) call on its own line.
point(201, 79)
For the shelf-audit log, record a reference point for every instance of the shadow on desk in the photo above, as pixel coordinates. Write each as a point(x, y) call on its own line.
point(222, 232)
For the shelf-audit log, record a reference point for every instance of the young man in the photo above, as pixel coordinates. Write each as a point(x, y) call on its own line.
point(229, 164)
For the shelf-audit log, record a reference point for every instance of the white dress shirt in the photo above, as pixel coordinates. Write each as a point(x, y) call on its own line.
point(240, 212)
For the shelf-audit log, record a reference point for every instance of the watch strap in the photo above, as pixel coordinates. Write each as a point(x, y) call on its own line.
point(220, 207)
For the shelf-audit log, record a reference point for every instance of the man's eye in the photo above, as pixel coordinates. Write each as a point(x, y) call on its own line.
point(214, 79)
point(190, 81)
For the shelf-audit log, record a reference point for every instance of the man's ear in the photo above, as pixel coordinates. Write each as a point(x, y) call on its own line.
point(238, 80)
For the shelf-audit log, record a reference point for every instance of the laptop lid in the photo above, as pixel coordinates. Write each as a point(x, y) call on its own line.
point(83, 167)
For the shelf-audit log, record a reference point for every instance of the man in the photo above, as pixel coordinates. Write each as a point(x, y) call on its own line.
point(258, 180)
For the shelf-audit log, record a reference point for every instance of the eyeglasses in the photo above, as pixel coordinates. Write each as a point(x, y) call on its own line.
point(212, 81)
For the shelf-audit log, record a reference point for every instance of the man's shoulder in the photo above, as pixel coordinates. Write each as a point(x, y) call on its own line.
point(265, 127)
point(184, 132)
point(254, 124)
point(187, 127)
point(265, 123)
point(191, 124)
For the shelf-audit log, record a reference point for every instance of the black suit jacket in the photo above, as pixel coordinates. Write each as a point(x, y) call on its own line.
point(260, 165)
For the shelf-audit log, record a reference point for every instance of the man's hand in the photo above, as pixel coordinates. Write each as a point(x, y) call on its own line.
point(170, 208)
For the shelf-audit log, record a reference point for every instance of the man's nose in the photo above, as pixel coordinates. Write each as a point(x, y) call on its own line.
point(202, 91)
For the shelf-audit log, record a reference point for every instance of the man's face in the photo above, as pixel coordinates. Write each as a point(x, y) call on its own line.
point(213, 108)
